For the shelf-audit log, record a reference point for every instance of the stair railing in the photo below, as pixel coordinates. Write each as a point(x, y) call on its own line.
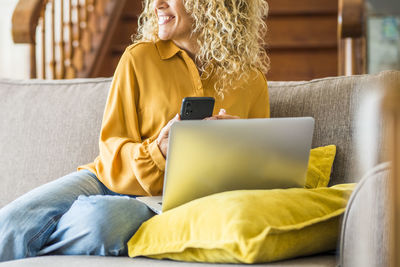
point(351, 37)
point(67, 38)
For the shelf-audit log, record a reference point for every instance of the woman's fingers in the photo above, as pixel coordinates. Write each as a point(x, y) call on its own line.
point(162, 139)
point(210, 119)
point(169, 124)
point(226, 117)
point(222, 116)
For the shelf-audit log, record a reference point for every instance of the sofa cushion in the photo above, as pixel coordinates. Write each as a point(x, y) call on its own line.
point(48, 129)
point(333, 102)
point(246, 226)
point(320, 166)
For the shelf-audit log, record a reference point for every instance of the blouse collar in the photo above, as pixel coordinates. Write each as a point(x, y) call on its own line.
point(167, 49)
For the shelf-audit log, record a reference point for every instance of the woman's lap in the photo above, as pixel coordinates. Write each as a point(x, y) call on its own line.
point(28, 223)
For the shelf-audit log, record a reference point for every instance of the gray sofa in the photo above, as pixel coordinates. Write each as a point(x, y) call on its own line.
point(48, 128)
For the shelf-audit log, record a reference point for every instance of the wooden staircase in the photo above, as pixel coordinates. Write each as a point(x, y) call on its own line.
point(303, 40)
point(121, 38)
point(68, 38)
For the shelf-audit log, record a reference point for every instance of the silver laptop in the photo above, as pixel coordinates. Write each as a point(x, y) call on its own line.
point(208, 157)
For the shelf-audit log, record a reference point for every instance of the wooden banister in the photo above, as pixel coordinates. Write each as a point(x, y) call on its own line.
point(52, 39)
point(351, 37)
point(61, 43)
point(24, 22)
point(43, 21)
point(113, 11)
point(25, 19)
point(73, 35)
point(351, 18)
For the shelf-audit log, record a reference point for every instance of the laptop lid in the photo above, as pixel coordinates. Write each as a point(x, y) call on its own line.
point(207, 157)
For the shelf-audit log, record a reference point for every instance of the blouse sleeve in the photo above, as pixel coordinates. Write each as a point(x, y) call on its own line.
point(127, 164)
point(260, 107)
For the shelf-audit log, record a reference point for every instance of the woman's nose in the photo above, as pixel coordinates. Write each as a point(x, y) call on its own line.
point(160, 4)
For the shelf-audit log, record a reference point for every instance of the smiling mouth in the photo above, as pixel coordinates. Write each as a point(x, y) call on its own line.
point(164, 19)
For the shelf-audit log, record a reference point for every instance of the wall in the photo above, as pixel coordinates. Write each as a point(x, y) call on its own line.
point(14, 58)
point(385, 6)
point(383, 35)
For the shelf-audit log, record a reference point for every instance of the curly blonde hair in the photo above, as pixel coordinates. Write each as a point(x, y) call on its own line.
point(230, 36)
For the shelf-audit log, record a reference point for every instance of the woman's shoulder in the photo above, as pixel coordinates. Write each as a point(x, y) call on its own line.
point(141, 49)
point(257, 78)
point(261, 75)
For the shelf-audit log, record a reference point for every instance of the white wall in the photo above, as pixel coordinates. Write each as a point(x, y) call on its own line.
point(14, 58)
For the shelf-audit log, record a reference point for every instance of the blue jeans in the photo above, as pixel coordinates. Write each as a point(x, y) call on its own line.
point(73, 215)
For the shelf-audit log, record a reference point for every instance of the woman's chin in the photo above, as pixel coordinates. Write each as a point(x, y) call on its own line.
point(163, 36)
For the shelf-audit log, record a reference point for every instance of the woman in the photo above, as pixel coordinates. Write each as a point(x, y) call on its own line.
point(183, 48)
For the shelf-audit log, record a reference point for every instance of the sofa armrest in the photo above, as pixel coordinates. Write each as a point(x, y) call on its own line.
point(364, 238)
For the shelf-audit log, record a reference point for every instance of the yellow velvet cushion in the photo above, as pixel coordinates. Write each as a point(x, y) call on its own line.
point(320, 166)
point(246, 226)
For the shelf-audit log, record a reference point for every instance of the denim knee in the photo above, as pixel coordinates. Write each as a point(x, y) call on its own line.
point(99, 225)
point(21, 235)
point(27, 223)
point(12, 223)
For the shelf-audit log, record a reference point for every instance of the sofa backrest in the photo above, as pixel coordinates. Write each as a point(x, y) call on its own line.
point(48, 128)
point(334, 104)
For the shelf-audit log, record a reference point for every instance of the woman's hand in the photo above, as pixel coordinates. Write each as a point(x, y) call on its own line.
point(162, 139)
point(222, 116)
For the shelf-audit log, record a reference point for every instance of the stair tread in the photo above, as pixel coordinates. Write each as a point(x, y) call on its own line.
point(281, 7)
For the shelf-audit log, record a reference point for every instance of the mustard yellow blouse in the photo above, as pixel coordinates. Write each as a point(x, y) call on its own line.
point(146, 92)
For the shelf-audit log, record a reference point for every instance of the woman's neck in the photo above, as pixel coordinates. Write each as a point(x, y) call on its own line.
point(190, 46)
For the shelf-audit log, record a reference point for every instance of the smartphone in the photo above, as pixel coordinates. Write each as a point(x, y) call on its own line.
point(197, 108)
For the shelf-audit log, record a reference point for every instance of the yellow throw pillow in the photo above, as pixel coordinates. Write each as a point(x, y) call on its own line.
point(246, 226)
point(320, 166)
